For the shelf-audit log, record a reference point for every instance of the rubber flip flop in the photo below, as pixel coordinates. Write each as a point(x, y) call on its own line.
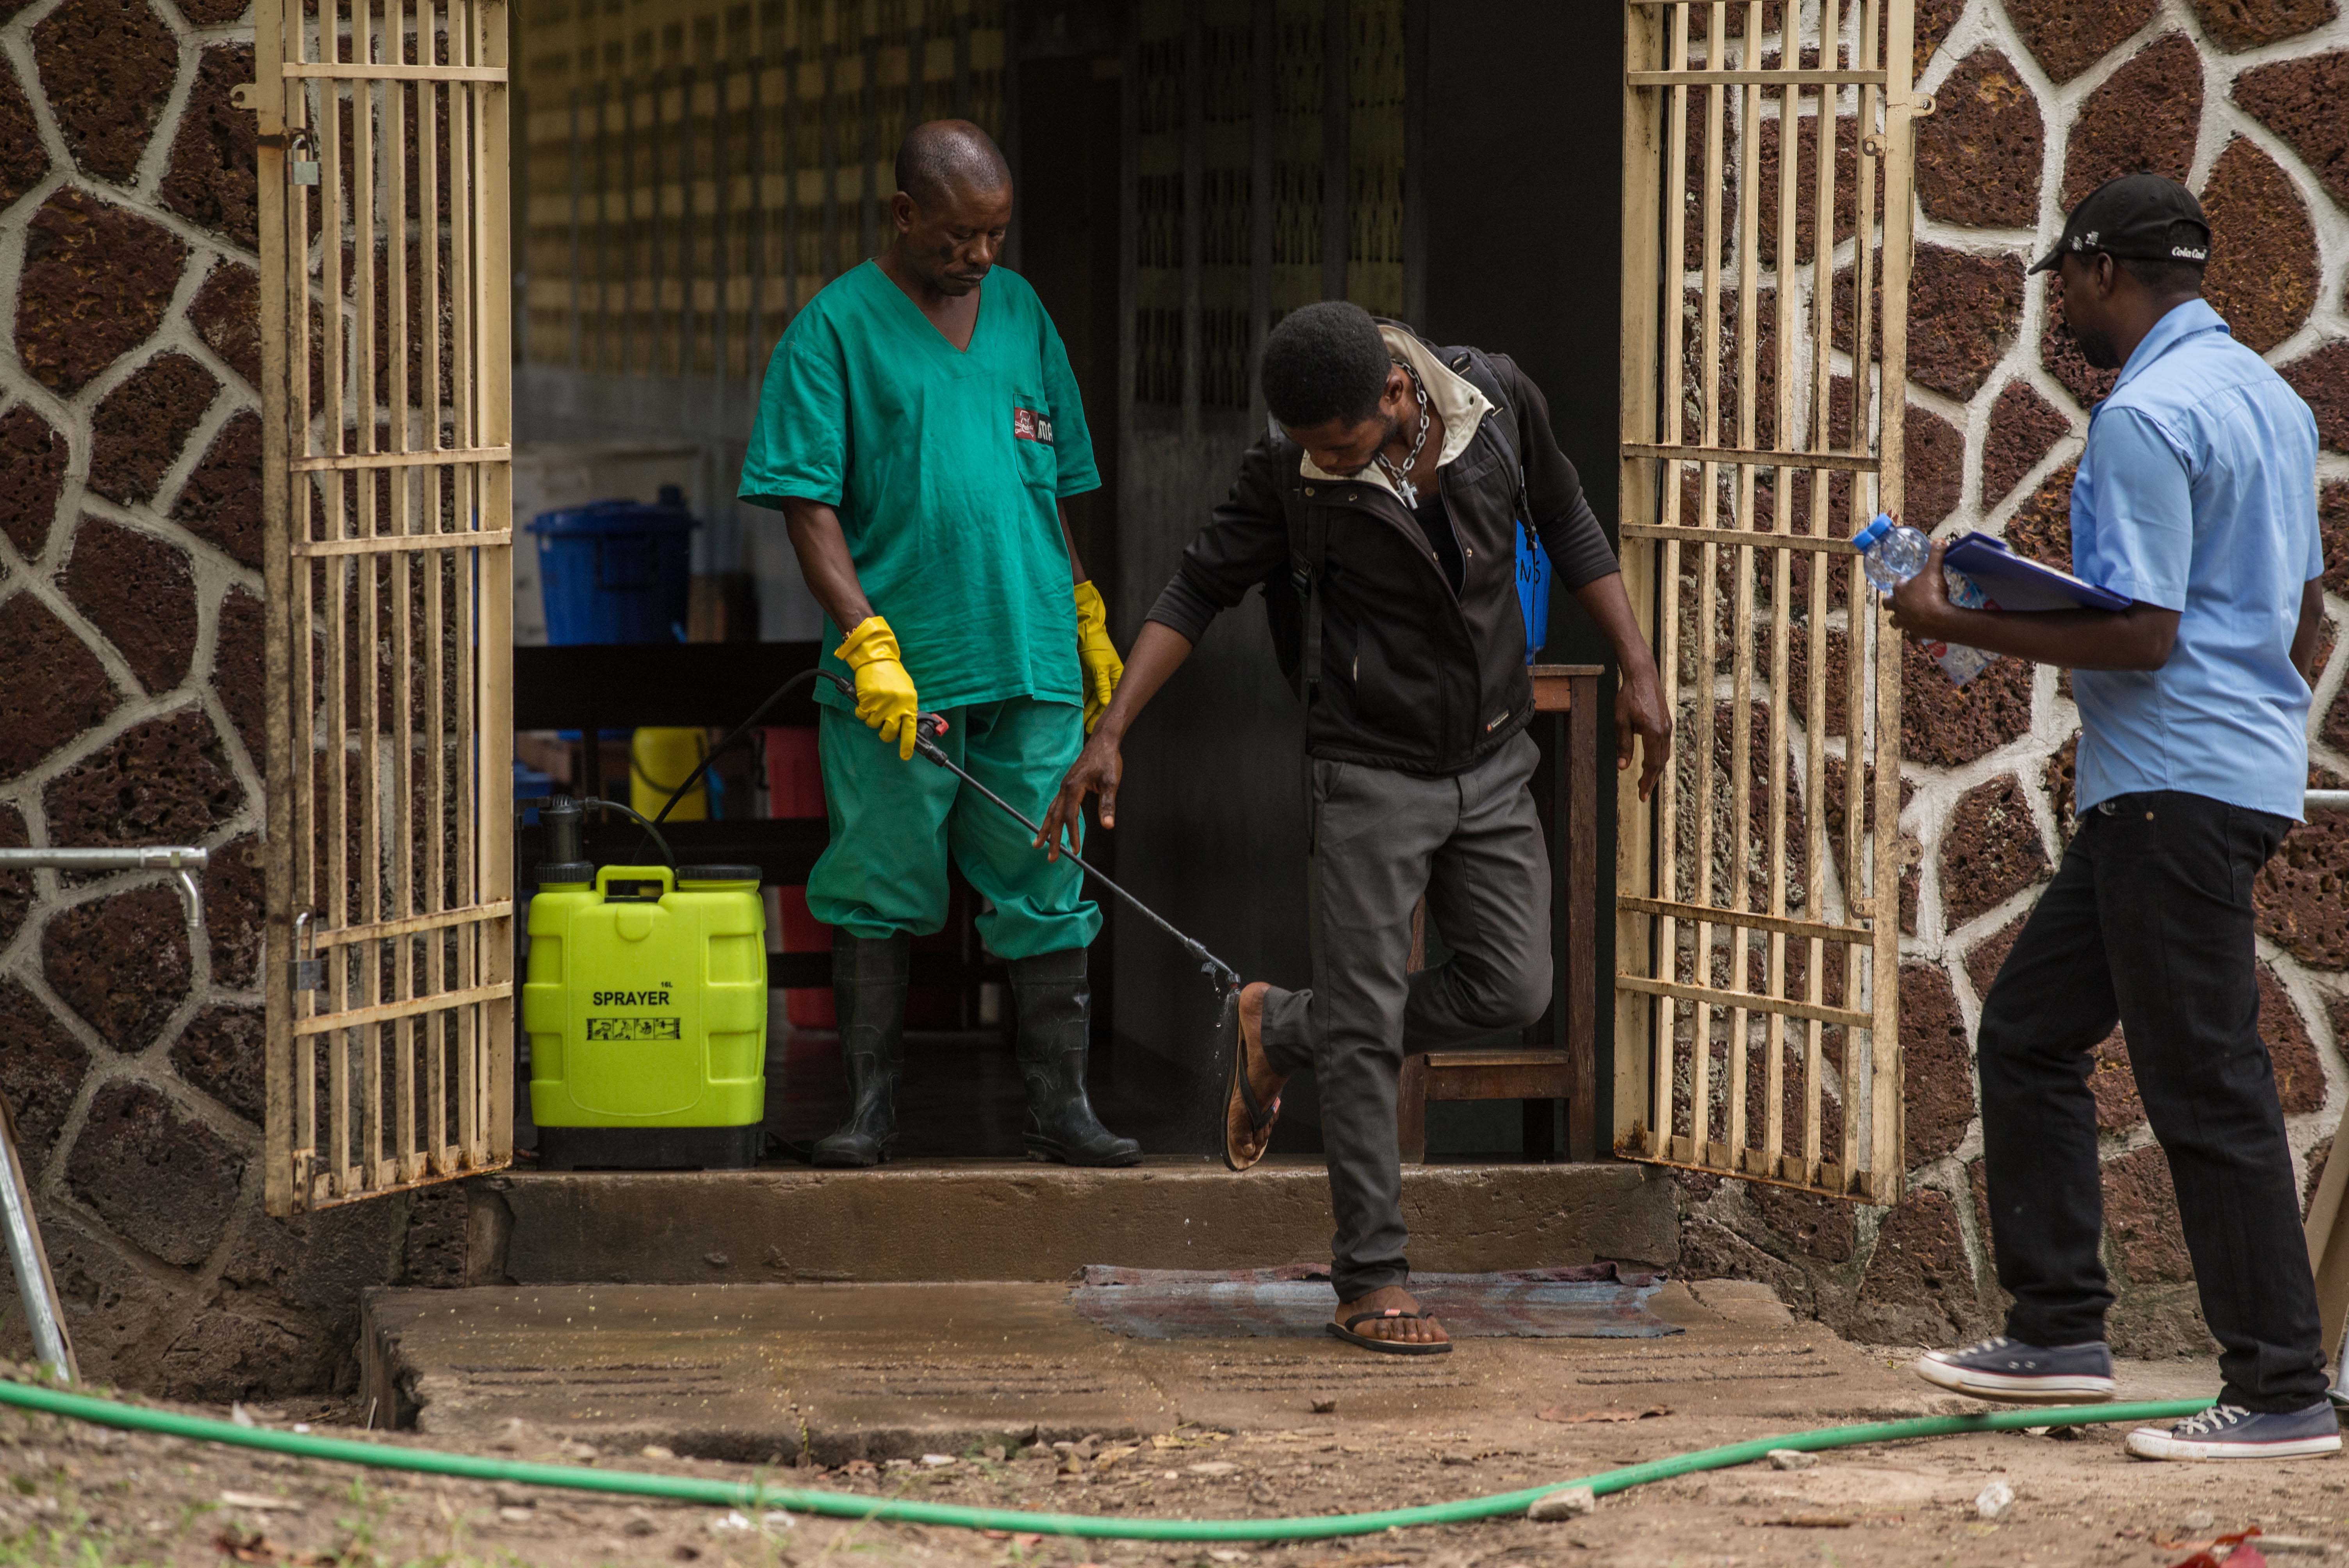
point(1345, 1331)
point(1260, 1117)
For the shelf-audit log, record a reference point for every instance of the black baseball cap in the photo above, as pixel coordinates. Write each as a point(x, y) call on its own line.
point(2141, 217)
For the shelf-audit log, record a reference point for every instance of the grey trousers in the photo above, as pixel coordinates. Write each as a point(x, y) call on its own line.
point(1473, 844)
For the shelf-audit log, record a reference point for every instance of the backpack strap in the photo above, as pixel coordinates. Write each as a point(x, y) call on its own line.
point(1474, 366)
point(1478, 370)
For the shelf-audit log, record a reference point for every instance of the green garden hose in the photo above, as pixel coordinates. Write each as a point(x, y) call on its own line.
point(905, 1511)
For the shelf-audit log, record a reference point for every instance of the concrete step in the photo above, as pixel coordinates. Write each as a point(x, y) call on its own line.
point(994, 1219)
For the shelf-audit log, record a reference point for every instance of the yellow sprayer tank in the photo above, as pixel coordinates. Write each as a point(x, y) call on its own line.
point(646, 1004)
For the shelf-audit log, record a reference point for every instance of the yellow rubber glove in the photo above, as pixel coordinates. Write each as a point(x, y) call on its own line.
point(884, 692)
point(1096, 654)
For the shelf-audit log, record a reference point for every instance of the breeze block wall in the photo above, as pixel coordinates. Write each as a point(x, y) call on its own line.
point(2038, 101)
point(130, 714)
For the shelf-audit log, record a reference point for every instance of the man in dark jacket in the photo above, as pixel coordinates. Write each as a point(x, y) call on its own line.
point(1389, 495)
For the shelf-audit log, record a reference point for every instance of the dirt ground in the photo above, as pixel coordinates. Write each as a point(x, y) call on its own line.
point(74, 1496)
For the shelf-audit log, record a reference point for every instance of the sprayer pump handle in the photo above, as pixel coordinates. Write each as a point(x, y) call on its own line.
point(929, 725)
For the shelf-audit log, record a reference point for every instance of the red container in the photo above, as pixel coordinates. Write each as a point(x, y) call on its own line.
point(795, 789)
point(794, 779)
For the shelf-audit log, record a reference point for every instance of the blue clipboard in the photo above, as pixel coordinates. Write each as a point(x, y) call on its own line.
point(2012, 581)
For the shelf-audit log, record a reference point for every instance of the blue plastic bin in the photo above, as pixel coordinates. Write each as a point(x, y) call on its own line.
point(616, 571)
point(530, 784)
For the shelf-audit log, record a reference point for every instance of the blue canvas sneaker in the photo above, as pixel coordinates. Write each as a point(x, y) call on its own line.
point(2004, 1368)
point(2232, 1432)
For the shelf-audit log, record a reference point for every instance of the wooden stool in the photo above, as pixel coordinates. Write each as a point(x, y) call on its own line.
point(1532, 1077)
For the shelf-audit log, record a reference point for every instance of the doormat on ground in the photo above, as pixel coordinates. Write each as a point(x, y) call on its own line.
point(1597, 1301)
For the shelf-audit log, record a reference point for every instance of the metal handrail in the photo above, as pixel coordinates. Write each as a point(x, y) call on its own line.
point(169, 858)
point(180, 858)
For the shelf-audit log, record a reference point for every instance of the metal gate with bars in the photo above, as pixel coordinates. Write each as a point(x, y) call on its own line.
point(387, 401)
point(1767, 238)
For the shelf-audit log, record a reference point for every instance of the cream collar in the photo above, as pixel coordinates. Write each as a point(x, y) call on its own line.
point(1455, 401)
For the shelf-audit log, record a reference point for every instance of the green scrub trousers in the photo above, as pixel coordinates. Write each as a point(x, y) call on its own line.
point(894, 823)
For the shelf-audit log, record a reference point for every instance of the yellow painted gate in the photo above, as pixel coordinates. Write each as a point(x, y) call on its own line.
point(1766, 164)
point(387, 366)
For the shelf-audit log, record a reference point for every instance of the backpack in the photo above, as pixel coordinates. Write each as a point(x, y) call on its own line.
point(1293, 609)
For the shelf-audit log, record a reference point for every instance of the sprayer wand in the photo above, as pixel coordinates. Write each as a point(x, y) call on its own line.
point(928, 727)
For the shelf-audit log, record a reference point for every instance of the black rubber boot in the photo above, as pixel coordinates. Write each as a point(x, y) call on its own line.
point(868, 989)
point(1055, 1019)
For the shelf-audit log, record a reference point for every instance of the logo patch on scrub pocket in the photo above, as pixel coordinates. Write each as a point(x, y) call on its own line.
point(1029, 425)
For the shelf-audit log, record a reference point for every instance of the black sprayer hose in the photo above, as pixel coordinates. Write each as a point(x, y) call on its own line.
point(747, 724)
point(651, 828)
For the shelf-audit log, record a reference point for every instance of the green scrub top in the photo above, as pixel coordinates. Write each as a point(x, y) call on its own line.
point(946, 467)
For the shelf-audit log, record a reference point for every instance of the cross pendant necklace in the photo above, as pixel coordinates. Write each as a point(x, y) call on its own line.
point(1400, 475)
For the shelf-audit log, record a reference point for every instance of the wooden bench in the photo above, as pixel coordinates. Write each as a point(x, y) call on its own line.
point(1558, 1061)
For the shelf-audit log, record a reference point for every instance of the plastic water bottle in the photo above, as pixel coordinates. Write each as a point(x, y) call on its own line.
point(1891, 553)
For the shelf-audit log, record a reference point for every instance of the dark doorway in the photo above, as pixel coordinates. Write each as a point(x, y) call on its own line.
point(1069, 247)
point(1068, 206)
point(1522, 127)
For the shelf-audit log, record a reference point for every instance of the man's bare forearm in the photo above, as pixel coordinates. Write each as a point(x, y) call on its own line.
point(2310, 633)
point(1609, 608)
point(2137, 638)
point(825, 565)
point(1157, 652)
point(1076, 568)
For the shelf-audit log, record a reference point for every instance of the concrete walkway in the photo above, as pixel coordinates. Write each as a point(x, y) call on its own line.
point(756, 1373)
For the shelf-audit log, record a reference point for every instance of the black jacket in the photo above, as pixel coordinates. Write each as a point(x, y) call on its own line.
point(1413, 676)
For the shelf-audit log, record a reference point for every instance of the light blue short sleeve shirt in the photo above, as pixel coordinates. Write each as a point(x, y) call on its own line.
point(2197, 493)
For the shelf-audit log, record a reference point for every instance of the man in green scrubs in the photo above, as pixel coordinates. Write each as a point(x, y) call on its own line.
point(918, 430)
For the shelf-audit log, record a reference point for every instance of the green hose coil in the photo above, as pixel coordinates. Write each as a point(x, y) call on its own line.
point(903, 1511)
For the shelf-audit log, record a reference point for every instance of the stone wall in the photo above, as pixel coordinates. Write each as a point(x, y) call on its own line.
point(2038, 101)
point(130, 711)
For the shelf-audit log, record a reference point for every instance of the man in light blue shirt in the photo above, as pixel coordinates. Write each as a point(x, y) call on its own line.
point(2196, 499)
point(2197, 493)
